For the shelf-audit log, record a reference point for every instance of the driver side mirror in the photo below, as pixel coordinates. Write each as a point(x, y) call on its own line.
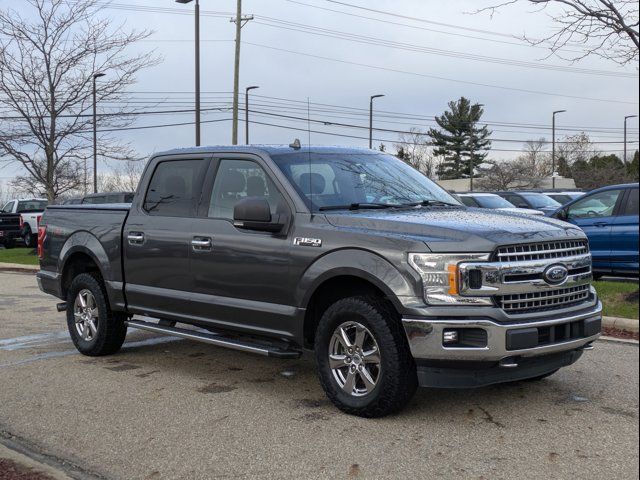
point(254, 213)
point(562, 215)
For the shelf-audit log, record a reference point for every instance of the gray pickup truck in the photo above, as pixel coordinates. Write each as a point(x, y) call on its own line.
point(349, 253)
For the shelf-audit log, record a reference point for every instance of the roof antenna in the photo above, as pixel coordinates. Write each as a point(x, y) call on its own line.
point(309, 155)
point(296, 144)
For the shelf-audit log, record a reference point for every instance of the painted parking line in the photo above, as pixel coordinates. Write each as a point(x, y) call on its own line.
point(36, 340)
point(65, 353)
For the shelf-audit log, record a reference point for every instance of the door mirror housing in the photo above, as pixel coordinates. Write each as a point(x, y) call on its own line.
point(254, 213)
point(561, 214)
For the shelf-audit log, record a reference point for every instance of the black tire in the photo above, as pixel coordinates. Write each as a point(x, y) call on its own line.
point(597, 276)
point(541, 377)
point(9, 244)
point(396, 378)
point(27, 237)
point(111, 329)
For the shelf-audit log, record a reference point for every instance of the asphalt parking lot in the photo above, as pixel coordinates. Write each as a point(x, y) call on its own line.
point(165, 408)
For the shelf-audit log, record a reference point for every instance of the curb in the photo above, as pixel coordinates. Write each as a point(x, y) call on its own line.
point(624, 341)
point(32, 465)
point(626, 324)
point(18, 267)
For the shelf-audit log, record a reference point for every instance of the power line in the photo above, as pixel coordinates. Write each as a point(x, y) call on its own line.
point(435, 77)
point(368, 40)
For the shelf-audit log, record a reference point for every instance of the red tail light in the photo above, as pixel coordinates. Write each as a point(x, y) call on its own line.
point(38, 218)
point(42, 233)
point(21, 222)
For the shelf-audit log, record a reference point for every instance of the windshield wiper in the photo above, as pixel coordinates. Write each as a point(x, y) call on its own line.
point(430, 203)
point(358, 206)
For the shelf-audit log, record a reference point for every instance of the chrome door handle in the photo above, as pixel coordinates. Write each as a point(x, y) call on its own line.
point(135, 238)
point(200, 244)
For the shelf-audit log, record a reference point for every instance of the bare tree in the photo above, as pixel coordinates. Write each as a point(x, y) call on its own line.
point(413, 148)
point(123, 178)
point(47, 66)
point(529, 170)
point(605, 28)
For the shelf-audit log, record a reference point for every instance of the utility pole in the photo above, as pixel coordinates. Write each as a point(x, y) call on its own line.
point(373, 97)
point(246, 112)
point(625, 136)
point(553, 148)
point(197, 48)
point(95, 133)
point(240, 21)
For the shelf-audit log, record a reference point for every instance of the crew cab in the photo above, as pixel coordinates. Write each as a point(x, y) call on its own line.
point(349, 253)
point(30, 210)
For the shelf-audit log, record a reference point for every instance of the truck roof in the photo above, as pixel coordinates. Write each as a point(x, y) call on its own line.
point(262, 149)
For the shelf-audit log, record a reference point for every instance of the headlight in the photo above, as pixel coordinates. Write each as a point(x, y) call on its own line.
point(441, 277)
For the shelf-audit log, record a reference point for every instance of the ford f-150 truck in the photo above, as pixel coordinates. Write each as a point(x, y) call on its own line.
point(350, 253)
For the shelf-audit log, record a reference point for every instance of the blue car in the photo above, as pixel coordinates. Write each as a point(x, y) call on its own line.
point(609, 217)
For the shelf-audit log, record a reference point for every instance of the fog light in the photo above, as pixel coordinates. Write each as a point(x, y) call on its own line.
point(450, 336)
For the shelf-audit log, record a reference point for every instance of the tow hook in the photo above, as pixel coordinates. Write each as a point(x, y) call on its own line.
point(588, 347)
point(61, 307)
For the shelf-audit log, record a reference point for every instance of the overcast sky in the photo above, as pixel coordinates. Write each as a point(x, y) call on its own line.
point(416, 83)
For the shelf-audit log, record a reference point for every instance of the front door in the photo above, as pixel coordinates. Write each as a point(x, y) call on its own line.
point(157, 238)
point(241, 278)
point(624, 235)
point(595, 215)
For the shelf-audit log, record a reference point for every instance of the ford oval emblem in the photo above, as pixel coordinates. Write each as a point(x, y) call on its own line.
point(555, 274)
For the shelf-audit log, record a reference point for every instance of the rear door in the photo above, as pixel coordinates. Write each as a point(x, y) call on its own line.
point(241, 278)
point(595, 215)
point(157, 237)
point(624, 235)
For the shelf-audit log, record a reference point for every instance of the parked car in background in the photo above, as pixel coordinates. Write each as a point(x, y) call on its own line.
point(107, 197)
point(30, 210)
point(494, 202)
point(72, 201)
point(609, 217)
point(531, 200)
point(564, 197)
point(9, 229)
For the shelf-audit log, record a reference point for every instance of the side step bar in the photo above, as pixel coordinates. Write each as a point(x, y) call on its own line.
point(218, 340)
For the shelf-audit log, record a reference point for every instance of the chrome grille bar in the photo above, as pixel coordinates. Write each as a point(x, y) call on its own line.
point(527, 302)
point(542, 251)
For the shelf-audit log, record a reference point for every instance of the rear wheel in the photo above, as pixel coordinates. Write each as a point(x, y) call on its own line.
point(30, 240)
point(364, 363)
point(9, 244)
point(95, 329)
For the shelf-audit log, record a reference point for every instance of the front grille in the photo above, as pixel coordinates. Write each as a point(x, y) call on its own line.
point(542, 251)
point(544, 300)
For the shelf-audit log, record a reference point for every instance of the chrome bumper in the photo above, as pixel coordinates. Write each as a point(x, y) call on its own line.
point(425, 337)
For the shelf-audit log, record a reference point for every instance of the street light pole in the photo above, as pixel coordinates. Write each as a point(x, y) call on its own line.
point(95, 133)
point(197, 59)
point(373, 97)
point(625, 136)
point(246, 111)
point(553, 148)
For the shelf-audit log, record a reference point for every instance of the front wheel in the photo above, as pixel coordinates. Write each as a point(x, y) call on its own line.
point(30, 240)
point(95, 329)
point(364, 363)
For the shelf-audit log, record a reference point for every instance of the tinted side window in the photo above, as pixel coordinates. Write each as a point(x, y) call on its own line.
point(8, 207)
point(469, 202)
point(238, 179)
point(632, 203)
point(174, 189)
point(516, 200)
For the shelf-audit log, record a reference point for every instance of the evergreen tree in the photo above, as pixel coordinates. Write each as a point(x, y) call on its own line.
point(459, 140)
point(633, 167)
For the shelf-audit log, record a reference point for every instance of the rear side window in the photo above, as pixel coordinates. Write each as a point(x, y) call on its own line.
point(516, 200)
point(632, 203)
point(174, 189)
point(469, 202)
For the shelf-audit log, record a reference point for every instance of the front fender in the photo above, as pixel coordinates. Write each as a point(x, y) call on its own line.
point(358, 263)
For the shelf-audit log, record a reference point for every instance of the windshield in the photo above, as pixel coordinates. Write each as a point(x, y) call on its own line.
point(326, 180)
point(493, 201)
point(538, 200)
point(31, 206)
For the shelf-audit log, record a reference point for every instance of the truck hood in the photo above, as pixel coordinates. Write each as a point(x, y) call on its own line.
point(445, 229)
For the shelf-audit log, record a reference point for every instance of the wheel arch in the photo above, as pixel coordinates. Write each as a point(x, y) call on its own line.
point(344, 274)
point(82, 253)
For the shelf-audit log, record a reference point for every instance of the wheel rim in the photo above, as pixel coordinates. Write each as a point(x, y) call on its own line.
point(354, 359)
point(85, 314)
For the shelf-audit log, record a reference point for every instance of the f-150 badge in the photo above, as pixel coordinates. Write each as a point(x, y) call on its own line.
point(307, 242)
